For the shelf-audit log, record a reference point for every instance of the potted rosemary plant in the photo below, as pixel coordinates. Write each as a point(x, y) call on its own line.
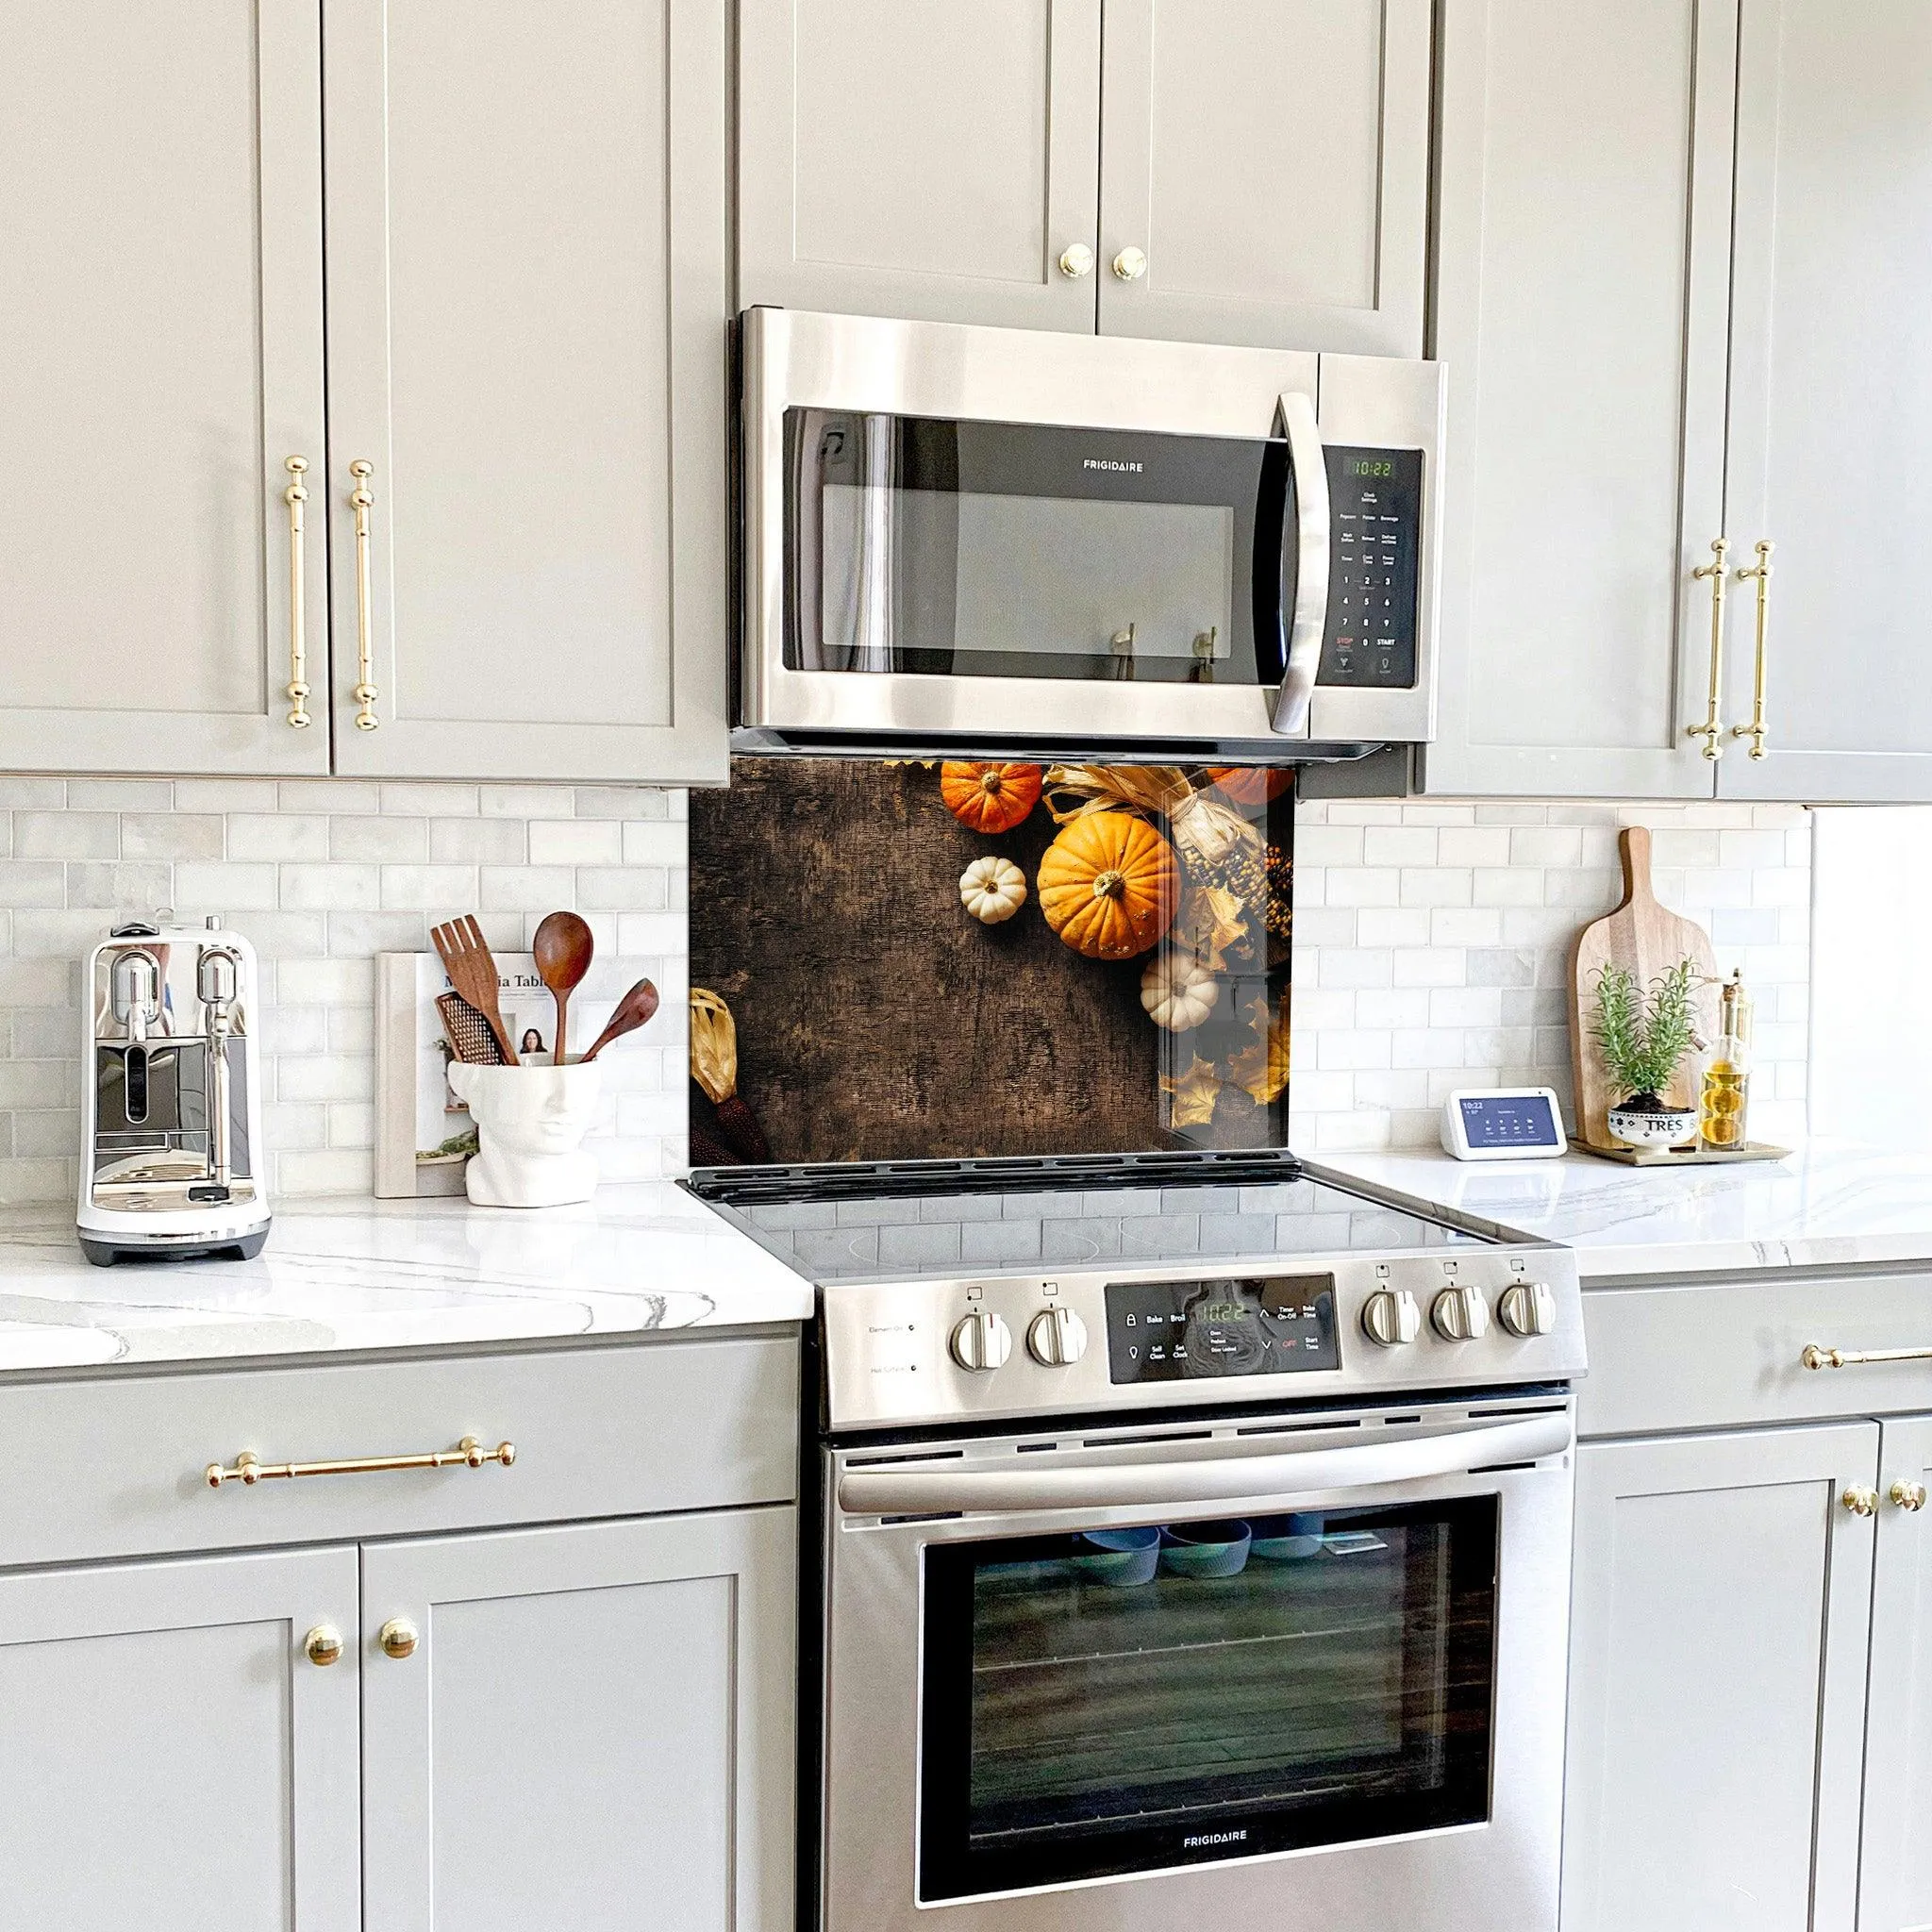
point(1643, 1037)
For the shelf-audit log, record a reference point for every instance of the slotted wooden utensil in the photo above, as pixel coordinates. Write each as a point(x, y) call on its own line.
point(468, 1032)
point(1645, 939)
point(633, 1009)
point(460, 944)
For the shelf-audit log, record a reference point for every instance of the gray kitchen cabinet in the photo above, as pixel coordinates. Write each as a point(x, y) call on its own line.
point(1721, 1607)
point(919, 158)
point(1831, 397)
point(1270, 165)
point(161, 197)
point(528, 301)
point(593, 1728)
point(173, 1759)
point(1581, 303)
point(1226, 171)
point(1895, 1861)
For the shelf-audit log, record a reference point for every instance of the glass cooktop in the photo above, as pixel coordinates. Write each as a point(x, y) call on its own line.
point(1154, 1219)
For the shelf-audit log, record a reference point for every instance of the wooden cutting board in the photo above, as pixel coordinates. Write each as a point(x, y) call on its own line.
point(1645, 939)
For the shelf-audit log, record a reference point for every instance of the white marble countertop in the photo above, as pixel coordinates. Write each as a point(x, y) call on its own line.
point(352, 1274)
point(1831, 1203)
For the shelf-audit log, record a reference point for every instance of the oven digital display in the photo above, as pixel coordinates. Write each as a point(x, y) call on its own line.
point(1196, 1331)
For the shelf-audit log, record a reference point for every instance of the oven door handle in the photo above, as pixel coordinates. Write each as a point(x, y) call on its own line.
point(1309, 624)
point(1225, 1479)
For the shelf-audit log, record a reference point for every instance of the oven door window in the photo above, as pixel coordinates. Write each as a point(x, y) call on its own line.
point(1334, 1682)
point(968, 549)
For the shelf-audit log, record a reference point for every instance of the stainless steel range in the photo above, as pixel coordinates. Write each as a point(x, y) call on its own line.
point(1195, 1549)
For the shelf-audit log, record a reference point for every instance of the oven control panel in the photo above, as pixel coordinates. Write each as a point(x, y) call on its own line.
point(1098, 1339)
point(1221, 1325)
point(1374, 555)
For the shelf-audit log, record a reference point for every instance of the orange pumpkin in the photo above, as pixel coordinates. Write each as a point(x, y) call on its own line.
point(1110, 885)
point(990, 798)
point(1252, 784)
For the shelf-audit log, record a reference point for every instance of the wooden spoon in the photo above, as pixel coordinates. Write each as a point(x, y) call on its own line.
point(633, 1009)
point(562, 947)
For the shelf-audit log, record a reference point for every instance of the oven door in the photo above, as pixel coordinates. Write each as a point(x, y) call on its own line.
point(968, 538)
point(1296, 1673)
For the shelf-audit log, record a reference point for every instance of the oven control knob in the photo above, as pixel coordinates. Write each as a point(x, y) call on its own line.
point(1056, 1337)
point(982, 1342)
point(1527, 1308)
point(1390, 1317)
point(1460, 1314)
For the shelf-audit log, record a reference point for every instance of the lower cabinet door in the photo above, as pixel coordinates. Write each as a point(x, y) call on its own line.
point(586, 1727)
point(170, 1758)
point(1895, 1868)
point(1719, 1629)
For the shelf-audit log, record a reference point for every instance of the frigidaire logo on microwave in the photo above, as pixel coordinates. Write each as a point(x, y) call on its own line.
point(1211, 1838)
point(1111, 464)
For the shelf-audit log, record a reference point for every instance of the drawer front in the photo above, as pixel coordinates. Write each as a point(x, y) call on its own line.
point(117, 1466)
point(1689, 1354)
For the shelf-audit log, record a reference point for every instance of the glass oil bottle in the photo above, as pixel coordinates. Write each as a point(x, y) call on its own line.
point(1722, 1109)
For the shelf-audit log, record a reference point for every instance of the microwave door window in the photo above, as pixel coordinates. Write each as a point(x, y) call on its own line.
point(975, 549)
point(1094, 1709)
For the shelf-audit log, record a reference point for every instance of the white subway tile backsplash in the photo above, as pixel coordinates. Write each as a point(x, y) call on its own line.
point(279, 835)
point(1481, 938)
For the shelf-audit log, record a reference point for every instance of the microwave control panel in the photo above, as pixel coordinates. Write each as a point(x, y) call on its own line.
point(1375, 521)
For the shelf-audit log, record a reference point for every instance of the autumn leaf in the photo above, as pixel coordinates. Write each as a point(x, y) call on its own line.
point(1215, 918)
point(1261, 1069)
point(1194, 1095)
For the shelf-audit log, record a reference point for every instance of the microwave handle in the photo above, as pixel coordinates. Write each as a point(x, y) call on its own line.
point(1226, 1479)
point(1308, 622)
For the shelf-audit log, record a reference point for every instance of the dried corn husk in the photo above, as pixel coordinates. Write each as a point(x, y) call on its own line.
point(713, 1046)
point(1206, 827)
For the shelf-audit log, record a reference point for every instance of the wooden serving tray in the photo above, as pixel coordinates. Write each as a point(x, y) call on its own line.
point(1683, 1156)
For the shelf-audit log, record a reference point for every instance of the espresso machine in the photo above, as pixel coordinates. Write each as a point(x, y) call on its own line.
point(170, 1145)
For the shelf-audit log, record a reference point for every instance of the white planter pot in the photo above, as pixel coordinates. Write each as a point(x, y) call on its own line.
point(1647, 1129)
point(530, 1125)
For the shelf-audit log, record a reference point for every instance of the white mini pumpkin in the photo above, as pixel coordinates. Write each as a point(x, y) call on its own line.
point(993, 890)
point(1178, 991)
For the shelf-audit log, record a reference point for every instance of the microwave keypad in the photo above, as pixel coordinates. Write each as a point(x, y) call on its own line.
point(1374, 497)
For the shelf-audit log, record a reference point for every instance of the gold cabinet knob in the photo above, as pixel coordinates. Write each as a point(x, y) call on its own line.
point(1077, 259)
point(1909, 1495)
point(1860, 1502)
point(397, 1638)
point(323, 1646)
point(1130, 265)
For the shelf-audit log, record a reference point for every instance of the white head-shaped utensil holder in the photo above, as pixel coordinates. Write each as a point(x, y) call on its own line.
point(530, 1125)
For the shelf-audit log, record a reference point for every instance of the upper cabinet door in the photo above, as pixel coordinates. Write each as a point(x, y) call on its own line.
point(1895, 1864)
point(588, 1727)
point(160, 278)
point(921, 158)
point(1265, 173)
point(175, 1761)
point(528, 333)
point(1583, 260)
point(1831, 397)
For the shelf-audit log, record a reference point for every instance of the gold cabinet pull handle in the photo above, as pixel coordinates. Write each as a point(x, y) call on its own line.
point(323, 1646)
point(295, 495)
point(1860, 1501)
point(1712, 730)
point(1909, 1495)
point(365, 694)
point(1816, 1357)
point(1754, 730)
point(249, 1468)
point(398, 1637)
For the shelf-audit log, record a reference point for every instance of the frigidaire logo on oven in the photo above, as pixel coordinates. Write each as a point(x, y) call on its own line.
point(1111, 463)
point(1212, 1838)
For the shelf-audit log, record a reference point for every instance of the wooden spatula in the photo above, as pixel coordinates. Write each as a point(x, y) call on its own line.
point(1645, 939)
point(465, 957)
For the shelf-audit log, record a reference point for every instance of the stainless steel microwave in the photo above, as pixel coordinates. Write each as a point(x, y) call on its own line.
point(997, 538)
